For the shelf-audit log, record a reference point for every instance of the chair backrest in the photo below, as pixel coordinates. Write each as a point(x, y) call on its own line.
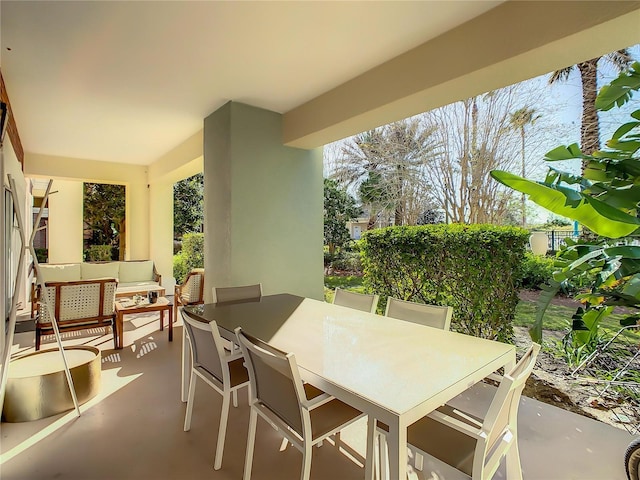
point(192, 290)
point(503, 411)
point(430, 315)
point(207, 347)
point(231, 294)
point(78, 300)
point(359, 301)
point(274, 379)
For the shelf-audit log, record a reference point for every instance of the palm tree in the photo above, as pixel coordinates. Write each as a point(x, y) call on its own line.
point(590, 127)
point(372, 195)
point(387, 165)
point(519, 119)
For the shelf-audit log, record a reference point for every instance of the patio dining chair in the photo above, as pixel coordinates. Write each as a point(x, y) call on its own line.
point(303, 414)
point(359, 301)
point(232, 294)
point(435, 316)
point(473, 445)
point(220, 369)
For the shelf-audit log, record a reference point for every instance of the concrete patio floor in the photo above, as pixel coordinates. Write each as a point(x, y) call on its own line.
point(133, 429)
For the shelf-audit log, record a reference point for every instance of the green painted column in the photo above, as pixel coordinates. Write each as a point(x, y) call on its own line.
point(263, 205)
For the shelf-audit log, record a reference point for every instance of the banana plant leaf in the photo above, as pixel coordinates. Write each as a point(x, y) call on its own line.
point(548, 292)
point(619, 91)
point(599, 217)
point(564, 153)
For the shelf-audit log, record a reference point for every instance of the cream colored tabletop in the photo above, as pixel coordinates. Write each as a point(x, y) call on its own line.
point(393, 370)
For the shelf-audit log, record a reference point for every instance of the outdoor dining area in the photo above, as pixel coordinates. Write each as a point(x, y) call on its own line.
point(303, 388)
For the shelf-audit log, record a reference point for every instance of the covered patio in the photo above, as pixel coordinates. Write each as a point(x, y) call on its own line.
point(133, 430)
point(147, 93)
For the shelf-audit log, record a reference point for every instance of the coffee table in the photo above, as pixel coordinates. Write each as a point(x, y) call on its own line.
point(122, 308)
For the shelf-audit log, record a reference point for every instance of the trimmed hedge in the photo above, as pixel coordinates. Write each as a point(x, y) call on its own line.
point(475, 269)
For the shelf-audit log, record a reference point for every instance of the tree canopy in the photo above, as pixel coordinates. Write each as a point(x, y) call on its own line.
point(386, 166)
point(339, 208)
point(188, 205)
point(104, 216)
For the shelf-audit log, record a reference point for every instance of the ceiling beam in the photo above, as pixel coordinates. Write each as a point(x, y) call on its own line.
point(513, 42)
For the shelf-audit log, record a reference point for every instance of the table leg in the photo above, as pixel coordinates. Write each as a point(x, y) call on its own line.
point(170, 310)
point(161, 320)
point(370, 459)
point(397, 447)
point(120, 329)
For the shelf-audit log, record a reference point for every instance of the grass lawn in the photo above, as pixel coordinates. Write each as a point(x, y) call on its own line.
point(558, 318)
point(350, 282)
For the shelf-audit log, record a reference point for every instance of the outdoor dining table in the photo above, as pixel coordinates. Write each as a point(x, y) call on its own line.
point(392, 370)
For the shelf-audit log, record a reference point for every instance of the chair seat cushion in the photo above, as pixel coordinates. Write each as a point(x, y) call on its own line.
point(331, 415)
point(443, 442)
point(238, 372)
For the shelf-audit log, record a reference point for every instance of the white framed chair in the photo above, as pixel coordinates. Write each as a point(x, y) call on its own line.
point(232, 294)
point(191, 292)
point(303, 414)
point(430, 315)
point(220, 369)
point(474, 445)
point(359, 301)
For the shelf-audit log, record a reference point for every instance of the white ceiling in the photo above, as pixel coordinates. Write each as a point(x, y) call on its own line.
point(128, 81)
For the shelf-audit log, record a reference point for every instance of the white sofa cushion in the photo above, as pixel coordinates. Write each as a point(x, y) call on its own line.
point(134, 271)
point(91, 271)
point(128, 289)
point(60, 273)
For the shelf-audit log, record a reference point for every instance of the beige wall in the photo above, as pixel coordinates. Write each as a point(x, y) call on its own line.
point(65, 222)
point(263, 205)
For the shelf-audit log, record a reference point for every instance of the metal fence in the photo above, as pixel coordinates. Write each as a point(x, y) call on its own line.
point(557, 238)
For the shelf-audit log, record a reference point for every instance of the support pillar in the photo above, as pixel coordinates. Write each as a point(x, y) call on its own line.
point(263, 205)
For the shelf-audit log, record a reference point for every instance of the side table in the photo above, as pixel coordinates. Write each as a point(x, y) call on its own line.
point(123, 308)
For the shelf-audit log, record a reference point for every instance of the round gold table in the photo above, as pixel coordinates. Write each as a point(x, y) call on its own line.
point(37, 384)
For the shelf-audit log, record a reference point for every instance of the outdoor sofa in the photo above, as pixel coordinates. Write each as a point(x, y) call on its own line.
point(133, 276)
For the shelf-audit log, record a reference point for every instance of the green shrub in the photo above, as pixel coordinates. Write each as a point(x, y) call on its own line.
point(99, 253)
point(347, 261)
point(475, 269)
point(191, 256)
point(536, 270)
point(42, 254)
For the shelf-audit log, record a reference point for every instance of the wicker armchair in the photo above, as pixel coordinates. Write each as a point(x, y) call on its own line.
point(191, 292)
point(77, 305)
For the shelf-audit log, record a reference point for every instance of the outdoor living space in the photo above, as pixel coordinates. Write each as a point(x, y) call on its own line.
point(133, 429)
point(142, 95)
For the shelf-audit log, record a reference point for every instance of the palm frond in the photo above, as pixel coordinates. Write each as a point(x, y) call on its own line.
point(561, 75)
